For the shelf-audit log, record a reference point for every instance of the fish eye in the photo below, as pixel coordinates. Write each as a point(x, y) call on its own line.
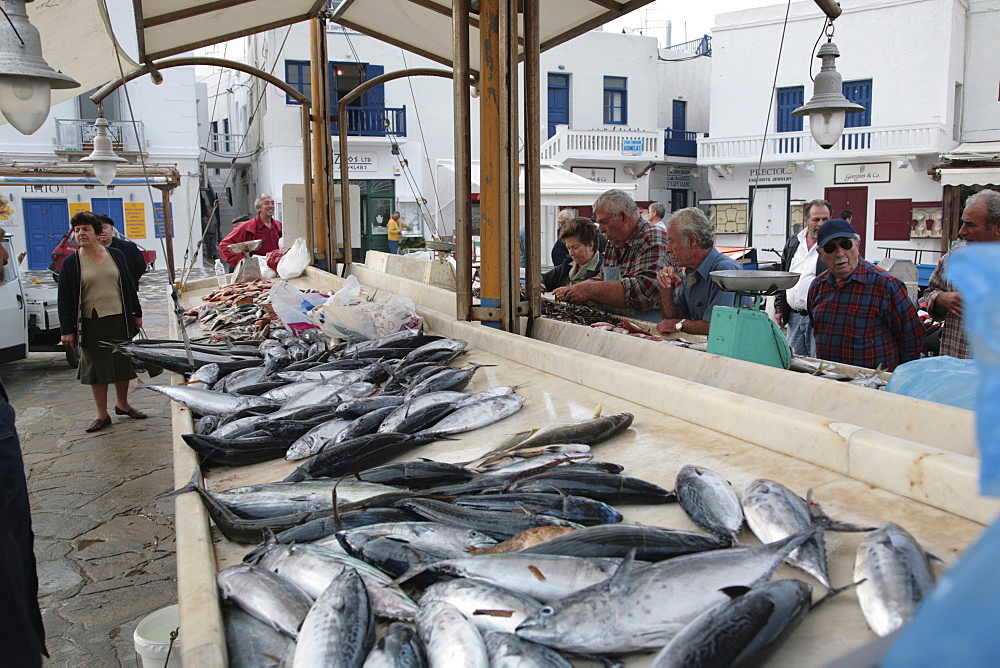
point(547, 611)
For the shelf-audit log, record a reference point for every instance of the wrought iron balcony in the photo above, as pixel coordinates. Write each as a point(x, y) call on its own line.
point(872, 141)
point(374, 122)
point(681, 143)
point(73, 134)
point(696, 47)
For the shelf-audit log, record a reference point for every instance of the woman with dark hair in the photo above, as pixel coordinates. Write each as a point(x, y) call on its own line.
point(582, 239)
point(98, 304)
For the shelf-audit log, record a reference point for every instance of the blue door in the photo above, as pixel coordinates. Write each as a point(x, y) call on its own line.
point(45, 223)
point(789, 99)
point(558, 101)
point(680, 116)
point(112, 208)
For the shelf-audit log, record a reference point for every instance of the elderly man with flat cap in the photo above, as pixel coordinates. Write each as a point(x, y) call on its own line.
point(861, 314)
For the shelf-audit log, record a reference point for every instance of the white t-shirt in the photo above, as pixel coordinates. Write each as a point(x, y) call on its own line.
point(804, 264)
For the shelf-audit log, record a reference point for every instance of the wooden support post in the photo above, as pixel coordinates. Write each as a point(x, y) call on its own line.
point(320, 141)
point(532, 163)
point(463, 160)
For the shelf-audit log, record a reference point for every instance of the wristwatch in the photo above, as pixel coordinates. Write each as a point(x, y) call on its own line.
point(680, 325)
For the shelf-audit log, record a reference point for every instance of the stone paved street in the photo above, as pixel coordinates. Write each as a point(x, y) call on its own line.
point(104, 542)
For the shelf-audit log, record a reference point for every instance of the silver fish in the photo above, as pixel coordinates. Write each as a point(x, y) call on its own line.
point(331, 377)
point(283, 498)
point(398, 647)
point(415, 404)
point(478, 414)
point(265, 596)
point(432, 536)
point(310, 443)
point(209, 402)
point(496, 391)
point(449, 638)
point(897, 577)
point(205, 377)
point(737, 632)
point(641, 608)
point(312, 568)
point(244, 377)
point(321, 394)
point(508, 651)
point(774, 512)
point(561, 454)
point(286, 392)
point(339, 629)
point(488, 606)
point(710, 501)
point(543, 577)
point(251, 643)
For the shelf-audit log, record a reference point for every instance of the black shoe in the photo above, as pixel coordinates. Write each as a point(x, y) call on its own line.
point(99, 424)
point(133, 413)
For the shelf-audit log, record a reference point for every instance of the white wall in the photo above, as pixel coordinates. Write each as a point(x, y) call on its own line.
point(981, 120)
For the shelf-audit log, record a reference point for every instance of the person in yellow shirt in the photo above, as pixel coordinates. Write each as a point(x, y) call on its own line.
point(395, 233)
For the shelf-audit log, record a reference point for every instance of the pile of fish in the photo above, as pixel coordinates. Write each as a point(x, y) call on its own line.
point(519, 557)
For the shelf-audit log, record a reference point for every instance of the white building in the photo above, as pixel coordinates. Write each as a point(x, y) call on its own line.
point(608, 101)
point(908, 62)
point(164, 132)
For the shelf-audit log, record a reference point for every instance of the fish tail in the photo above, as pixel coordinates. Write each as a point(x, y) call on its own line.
point(833, 591)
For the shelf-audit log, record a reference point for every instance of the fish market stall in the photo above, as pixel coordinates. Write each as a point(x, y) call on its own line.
point(860, 475)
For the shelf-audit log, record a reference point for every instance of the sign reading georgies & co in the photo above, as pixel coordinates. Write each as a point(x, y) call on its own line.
point(868, 172)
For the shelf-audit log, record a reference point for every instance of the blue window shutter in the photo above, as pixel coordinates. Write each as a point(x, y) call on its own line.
point(859, 92)
point(376, 96)
point(298, 77)
point(789, 99)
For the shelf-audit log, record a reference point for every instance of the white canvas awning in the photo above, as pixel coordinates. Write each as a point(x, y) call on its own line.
point(975, 150)
point(970, 176)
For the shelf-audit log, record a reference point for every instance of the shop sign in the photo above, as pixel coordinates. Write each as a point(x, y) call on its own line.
point(596, 174)
point(679, 177)
point(48, 190)
point(770, 175)
point(631, 147)
point(868, 172)
point(135, 220)
point(159, 223)
point(359, 162)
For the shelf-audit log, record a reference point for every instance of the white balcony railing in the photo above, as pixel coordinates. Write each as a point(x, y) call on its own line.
point(856, 142)
point(78, 135)
point(620, 145)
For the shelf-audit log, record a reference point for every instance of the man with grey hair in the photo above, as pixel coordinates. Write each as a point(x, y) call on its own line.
point(635, 254)
point(263, 226)
point(980, 222)
point(686, 301)
point(655, 215)
point(801, 256)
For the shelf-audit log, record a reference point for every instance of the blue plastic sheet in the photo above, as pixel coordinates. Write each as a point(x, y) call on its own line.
point(975, 271)
point(945, 380)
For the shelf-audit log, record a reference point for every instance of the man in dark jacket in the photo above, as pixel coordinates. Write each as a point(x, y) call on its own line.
point(133, 256)
point(801, 256)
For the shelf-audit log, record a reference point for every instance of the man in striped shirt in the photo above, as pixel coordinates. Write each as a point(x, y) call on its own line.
point(861, 314)
point(980, 222)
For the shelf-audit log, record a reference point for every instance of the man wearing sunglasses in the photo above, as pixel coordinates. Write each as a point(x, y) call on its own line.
point(861, 314)
point(980, 222)
point(801, 256)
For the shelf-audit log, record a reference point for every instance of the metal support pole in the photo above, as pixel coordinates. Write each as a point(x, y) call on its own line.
point(532, 162)
point(463, 161)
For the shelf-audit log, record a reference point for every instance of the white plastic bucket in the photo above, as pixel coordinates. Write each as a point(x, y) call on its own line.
point(152, 639)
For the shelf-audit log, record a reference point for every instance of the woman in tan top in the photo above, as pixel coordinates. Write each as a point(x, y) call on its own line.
point(98, 304)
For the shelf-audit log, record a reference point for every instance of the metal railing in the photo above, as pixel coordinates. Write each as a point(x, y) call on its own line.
point(374, 122)
point(855, 142)
point(567, 143)
point(696, 47)
point(226, 143)
point(681, 143)
point(73, 134)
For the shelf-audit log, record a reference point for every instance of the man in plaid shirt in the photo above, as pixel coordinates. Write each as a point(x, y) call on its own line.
point(861, 314)
point(980, 222)
point(637, 251)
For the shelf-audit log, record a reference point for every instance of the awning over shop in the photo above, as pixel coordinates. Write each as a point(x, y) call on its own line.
point(975, 150)
point(970, 176)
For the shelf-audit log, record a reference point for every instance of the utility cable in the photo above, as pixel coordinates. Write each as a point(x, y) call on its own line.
point(767, 123)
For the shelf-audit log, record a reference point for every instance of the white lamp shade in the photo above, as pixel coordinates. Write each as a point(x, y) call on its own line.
point(105, 171)
point(827, 125)
point(25, 102)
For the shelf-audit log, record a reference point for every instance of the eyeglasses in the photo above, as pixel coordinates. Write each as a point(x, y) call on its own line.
point(831, 246)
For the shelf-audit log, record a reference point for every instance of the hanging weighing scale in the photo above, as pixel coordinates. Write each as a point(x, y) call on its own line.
point(247, 270)
point(746, 332)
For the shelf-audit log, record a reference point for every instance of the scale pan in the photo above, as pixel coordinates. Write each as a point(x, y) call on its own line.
point(245, 246)
point(754, 282)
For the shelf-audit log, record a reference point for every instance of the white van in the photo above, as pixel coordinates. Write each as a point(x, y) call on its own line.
point(29, 320)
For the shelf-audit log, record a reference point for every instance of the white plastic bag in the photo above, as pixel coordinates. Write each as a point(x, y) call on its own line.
point(352, 314)
point(293, 306)
point(295, 261)
point(265, 271)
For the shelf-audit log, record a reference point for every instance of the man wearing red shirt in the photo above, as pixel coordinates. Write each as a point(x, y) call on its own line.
point(263, 226)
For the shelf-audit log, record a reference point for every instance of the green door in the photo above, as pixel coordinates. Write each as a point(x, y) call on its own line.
point(378, 207)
